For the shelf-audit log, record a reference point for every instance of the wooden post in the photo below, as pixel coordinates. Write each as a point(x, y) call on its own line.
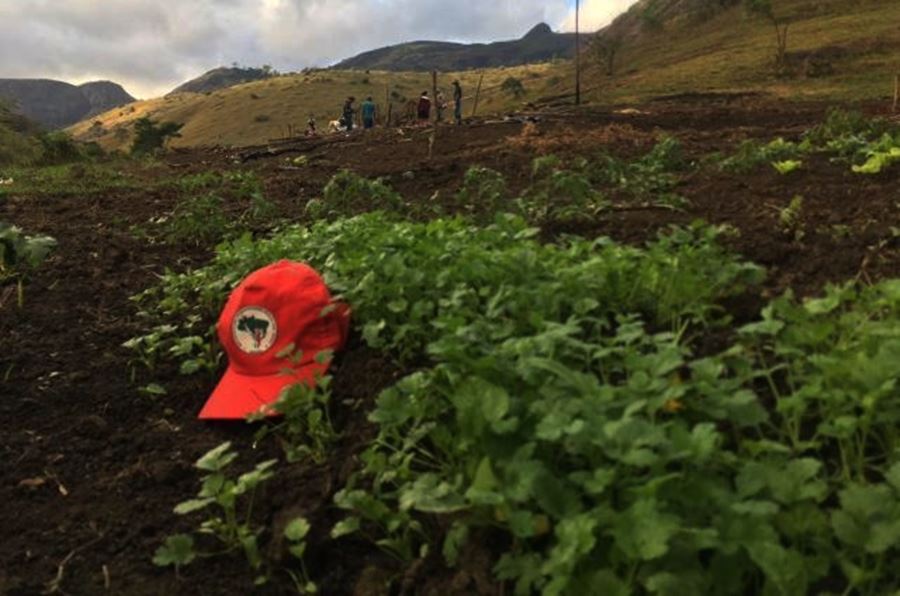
point(434, 101)
point(896, 92)
point(477, 93)
point(577, 55)
point(387, 103)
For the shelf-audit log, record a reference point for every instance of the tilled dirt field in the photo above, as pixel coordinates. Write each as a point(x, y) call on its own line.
point(91, 468)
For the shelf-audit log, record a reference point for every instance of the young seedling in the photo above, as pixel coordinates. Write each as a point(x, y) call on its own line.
point(296, 533)
point(20, 254)
point(790, 218)
point(219, 496)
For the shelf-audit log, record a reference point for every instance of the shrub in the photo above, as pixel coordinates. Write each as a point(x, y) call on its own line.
point(150, 136)
point(513, 86)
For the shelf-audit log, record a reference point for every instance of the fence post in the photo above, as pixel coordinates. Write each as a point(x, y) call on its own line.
point(477, 93)
point(896, 92)
point(434, 99)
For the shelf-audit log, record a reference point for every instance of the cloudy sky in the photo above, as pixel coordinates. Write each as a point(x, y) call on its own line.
point(150, 46)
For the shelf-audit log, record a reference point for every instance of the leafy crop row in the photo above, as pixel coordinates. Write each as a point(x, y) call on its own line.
point(565, 406)
point(567, 411)
point(409, 281)
point(869, 145)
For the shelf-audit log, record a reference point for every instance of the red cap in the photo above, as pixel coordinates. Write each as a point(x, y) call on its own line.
point(275, 314)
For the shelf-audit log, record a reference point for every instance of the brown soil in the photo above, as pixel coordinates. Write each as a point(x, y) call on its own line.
point(91, 467)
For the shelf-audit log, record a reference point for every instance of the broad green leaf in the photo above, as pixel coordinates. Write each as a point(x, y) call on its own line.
point(431, 494)
point(784, 569)
point(345, 527)
point(297, 529)
point(893, 477)
point(217, 459)
point(456, 539)
point(643, 531)
point(177, 550)
point(603, 582)
point(192, 505)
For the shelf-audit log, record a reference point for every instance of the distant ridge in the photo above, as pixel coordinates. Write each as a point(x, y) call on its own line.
point(55, 104)
point(538, 45)
point(222, 78)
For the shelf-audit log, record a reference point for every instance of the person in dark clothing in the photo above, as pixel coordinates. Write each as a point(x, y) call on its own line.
point(424, 107)
point(457, 102)
point(349, 112)
point(368, 113)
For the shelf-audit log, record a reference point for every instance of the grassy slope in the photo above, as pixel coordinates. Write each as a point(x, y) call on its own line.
point(731, 52)
point(735, 52)
point(255, 112)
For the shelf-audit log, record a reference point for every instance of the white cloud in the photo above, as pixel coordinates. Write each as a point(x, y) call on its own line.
point(596, 14)
point(150, 46)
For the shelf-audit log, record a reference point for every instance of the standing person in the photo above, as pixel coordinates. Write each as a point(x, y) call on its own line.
point(424, 107)
point(349, 112)
point(441, 105)
point(457, 102)
point(368, 113)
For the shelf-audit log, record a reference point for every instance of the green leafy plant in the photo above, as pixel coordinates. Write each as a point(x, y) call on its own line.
point(305, 429)
point(483, 193)
point(229, 521)
point(847, 133)
point(751, 154)
point(348, 193)
point(879, 160)
point(295, 533)
point(177, 551)
point(787, 166)
point(651, 178)
point(199, 220)
point(197, 182)
point(558, 195)
point(790, 218)
point(150, 136)
point(21, 254)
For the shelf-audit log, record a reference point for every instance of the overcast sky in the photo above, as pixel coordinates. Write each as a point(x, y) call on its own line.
point(151, 46)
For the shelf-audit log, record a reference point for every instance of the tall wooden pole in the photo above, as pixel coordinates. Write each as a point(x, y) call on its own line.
point(385, 111)
point(896, 92)
point(577, 54)
point(434, 99)
point(477, 94)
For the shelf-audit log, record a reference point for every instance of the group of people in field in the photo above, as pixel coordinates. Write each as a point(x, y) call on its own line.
point(368, 111)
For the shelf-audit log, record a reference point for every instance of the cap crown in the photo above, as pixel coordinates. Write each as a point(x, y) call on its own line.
point(274, 314)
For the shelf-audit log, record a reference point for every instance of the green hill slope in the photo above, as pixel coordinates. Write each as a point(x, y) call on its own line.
point(839, 49)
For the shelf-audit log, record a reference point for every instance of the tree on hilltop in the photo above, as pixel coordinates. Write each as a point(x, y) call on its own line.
point(768, 10)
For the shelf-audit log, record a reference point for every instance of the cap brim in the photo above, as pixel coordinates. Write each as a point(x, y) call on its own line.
point(237, 396)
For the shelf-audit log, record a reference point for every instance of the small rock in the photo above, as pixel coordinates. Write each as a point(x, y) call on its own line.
point(92, 426)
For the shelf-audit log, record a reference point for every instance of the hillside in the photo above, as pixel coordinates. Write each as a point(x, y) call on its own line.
point(104, 95)
point(222, 78)
point(538, 45)
point(55, 104)
point(253, 113)
point(836, 50)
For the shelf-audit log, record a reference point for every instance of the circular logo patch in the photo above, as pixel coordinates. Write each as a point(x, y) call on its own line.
point(254, 330)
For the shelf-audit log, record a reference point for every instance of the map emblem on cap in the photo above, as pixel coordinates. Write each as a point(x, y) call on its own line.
point(254, 330)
